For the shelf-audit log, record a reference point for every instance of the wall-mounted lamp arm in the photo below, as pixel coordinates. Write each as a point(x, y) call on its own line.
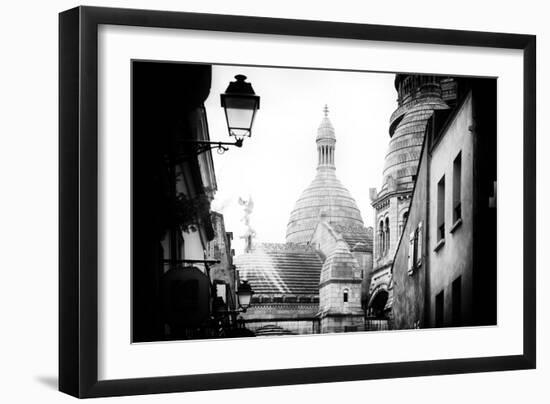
point(200, 146)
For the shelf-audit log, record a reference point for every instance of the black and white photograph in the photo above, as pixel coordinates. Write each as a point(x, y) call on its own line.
point(277, 201)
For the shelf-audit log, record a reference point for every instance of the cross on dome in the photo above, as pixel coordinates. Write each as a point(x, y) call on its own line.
point(325, 132)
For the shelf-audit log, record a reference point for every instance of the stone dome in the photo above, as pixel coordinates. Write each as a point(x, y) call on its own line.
point(325, 198)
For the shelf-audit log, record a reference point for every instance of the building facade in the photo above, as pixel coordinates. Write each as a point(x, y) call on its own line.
point(181, 252)
point(418, 97)
point(444, 272)
point(222, 272)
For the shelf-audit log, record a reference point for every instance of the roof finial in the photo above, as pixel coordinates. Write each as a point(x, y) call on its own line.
point(325, 110)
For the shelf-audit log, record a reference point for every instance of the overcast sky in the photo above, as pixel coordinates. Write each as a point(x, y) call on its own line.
point(279, 161)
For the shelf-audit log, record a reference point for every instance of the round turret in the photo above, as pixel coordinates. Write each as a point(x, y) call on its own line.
point(418, 97)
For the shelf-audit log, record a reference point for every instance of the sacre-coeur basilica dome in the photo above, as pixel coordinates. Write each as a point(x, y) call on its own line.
point(325, 198)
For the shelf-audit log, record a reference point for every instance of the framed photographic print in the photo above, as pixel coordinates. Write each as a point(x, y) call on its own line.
point(251, 201)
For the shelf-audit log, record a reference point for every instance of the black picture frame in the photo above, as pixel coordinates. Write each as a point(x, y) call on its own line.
point(78, 200)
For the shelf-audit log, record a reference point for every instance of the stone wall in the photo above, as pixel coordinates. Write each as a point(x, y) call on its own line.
point(300, 327)
point(454, 258)
point(332, 297)
point(297, 318)
point(409, 289)
point(342, 323)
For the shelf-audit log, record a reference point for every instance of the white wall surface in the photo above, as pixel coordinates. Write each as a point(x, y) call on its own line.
point(28, 202)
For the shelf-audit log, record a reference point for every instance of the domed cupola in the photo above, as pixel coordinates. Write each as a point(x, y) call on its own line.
point(326, 130)
point(325, 196)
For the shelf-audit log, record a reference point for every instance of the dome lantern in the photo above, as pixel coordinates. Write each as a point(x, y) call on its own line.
point(326, 142)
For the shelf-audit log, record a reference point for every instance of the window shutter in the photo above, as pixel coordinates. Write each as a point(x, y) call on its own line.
point(411, 253)
point(419, 245)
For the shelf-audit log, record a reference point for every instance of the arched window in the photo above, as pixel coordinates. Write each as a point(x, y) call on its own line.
point(346, 295)
point(387, 242)
point(381, 239)
point(403, 222)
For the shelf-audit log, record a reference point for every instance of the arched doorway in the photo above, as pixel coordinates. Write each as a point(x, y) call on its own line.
point(378, 303)
point(376, 319)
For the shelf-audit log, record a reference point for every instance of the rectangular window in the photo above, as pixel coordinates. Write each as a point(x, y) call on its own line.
point(441, 209)
point(457, 302)
point(457, 182)
point(439, 308)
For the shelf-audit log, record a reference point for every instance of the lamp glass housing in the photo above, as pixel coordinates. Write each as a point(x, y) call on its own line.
point(244, 294)
point(240, 104)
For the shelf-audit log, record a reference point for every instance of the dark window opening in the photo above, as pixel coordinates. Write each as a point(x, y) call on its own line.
point(457, 181)
point(403, 222)
point(457, 302)
point(381, 239)
point(387, 242)
point(439, 308)
point(441, 209)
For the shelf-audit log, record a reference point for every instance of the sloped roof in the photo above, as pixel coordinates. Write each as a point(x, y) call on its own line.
point(358, 238)
point(285, 269)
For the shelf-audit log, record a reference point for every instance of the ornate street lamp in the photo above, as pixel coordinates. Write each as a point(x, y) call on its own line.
point(240, 104)
point(227, 319)
point(244, 294)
